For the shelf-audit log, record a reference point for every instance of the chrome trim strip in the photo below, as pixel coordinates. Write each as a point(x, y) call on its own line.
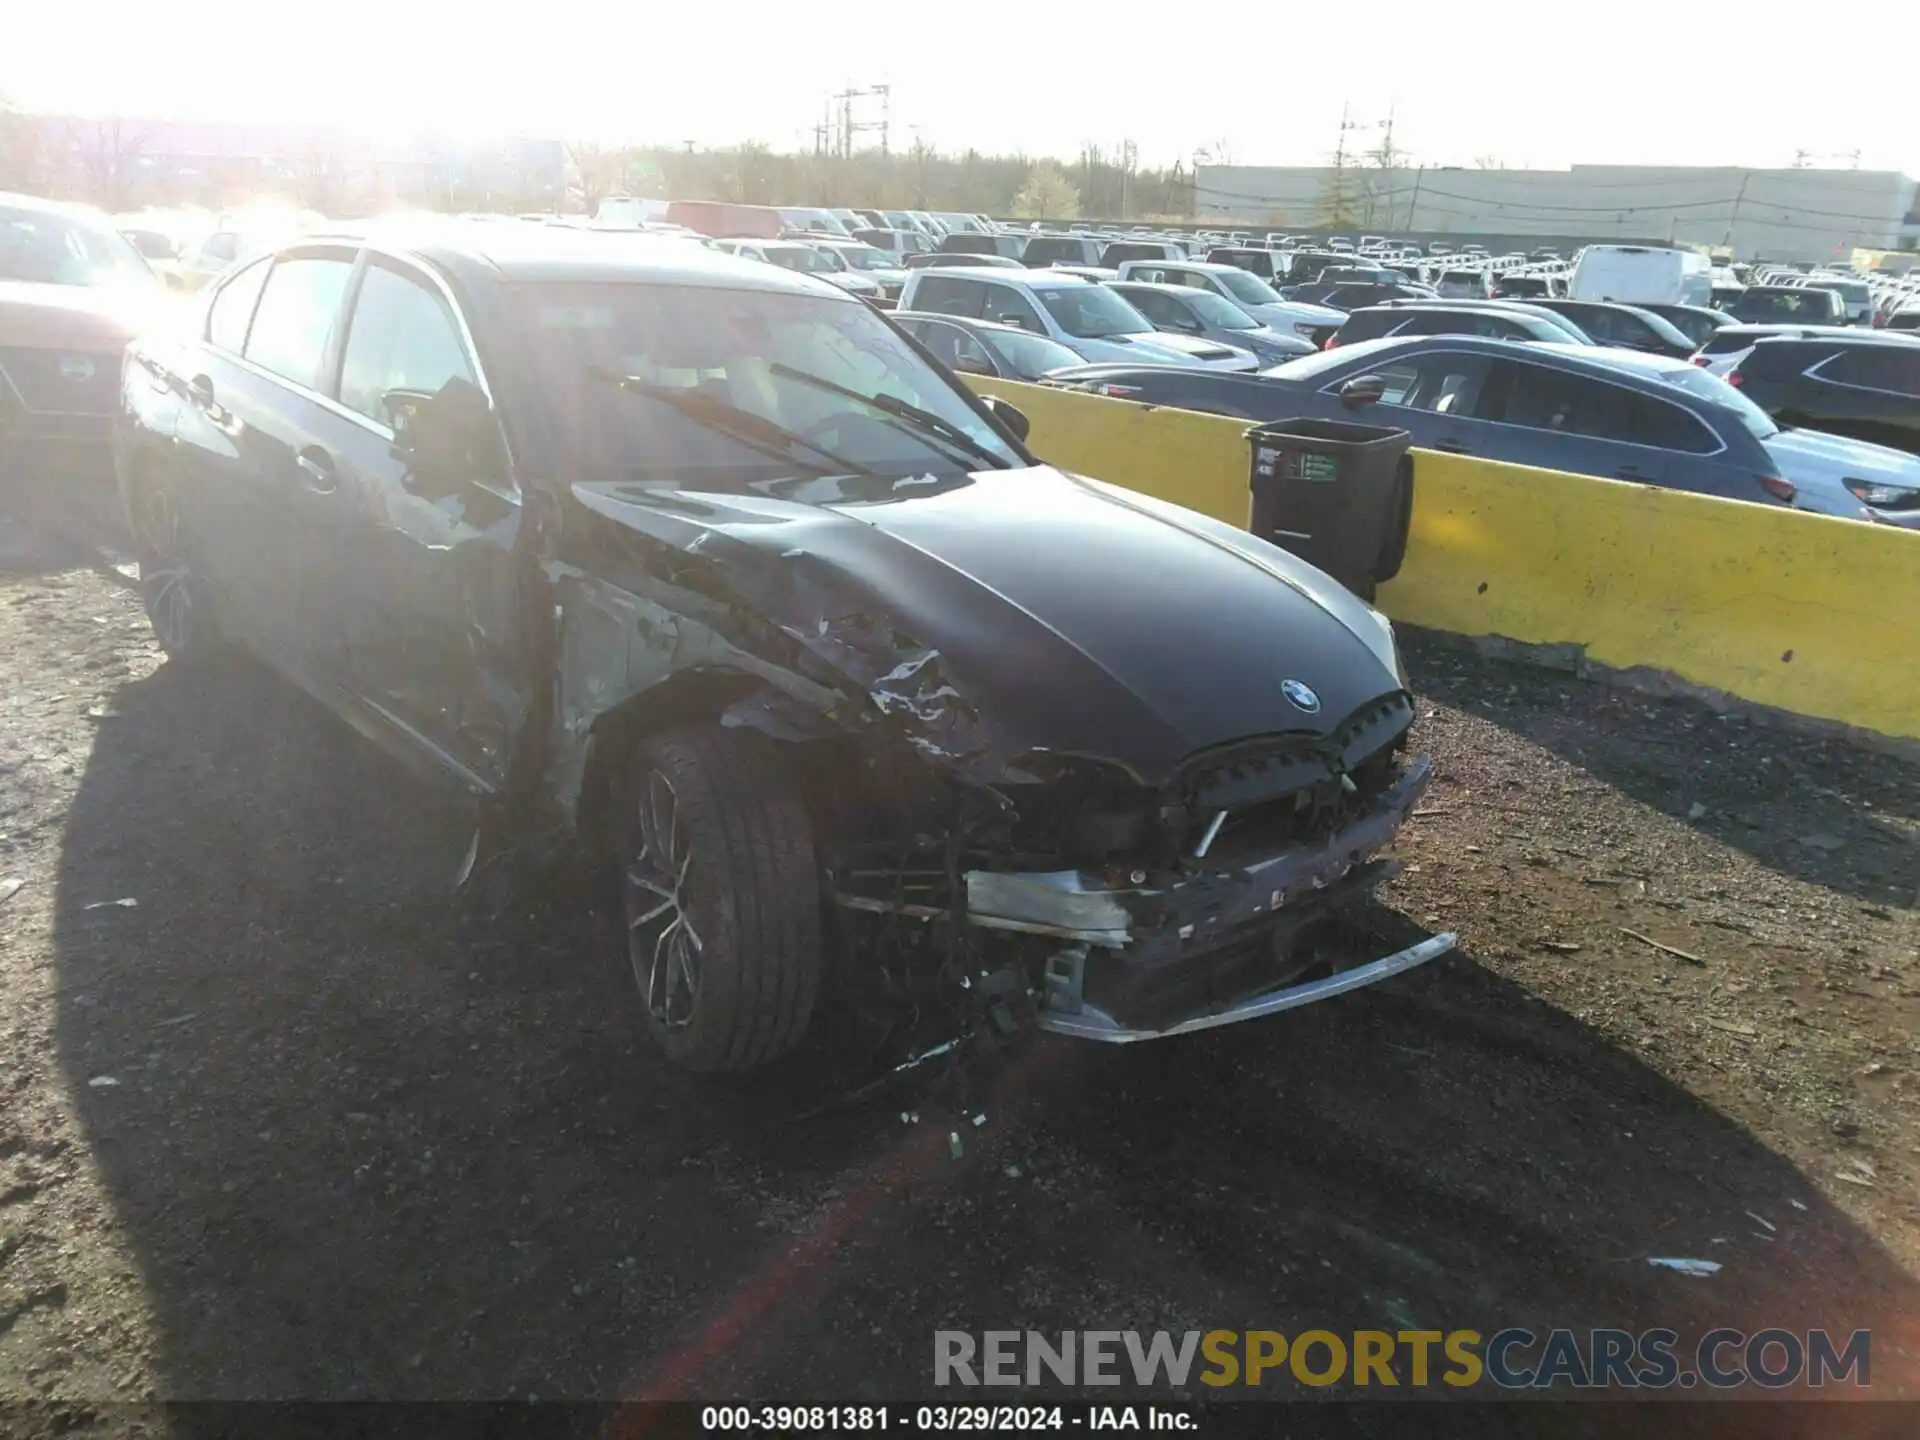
point(1094, 1024)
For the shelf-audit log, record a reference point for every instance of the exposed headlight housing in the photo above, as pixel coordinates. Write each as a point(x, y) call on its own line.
point(1884, 497)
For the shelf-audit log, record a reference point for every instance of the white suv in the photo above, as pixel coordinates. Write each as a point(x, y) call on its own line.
point(1083, 315)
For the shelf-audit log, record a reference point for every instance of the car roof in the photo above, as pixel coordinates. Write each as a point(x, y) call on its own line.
point(483, 254)
point(1036, 279)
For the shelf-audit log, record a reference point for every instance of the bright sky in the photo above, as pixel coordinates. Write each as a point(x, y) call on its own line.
point(1542, 82)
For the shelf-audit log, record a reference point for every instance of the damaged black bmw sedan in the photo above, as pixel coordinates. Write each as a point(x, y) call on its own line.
point(707, 569)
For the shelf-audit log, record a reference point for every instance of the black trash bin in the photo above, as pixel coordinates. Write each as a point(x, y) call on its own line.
point(1337, 494)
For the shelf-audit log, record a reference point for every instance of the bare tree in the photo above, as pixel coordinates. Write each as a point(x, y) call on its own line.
point(1489, 162)
point(109, 153)
point(1048, 194)
point(23, 148)
point(597, 171)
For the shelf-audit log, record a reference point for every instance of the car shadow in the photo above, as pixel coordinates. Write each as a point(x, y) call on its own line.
point(1824, 811)
point(362, 1147)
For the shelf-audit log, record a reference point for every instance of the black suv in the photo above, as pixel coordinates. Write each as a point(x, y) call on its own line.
point(1443, 317)
point(1868, 389)
point(1626, 326)
point(1061, 250)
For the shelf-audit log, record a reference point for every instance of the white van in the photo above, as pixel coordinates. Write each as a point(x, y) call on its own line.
point(1642, 275)
point(628, 212)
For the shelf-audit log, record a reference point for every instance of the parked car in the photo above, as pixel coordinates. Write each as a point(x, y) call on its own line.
point(806, 219)
point(1865, 388)
point(1584, 410)
point(1528, 287)
point(1635, 274)
point(1254, 259)
point(1727, 346)
point(1459, 284)
point(73, 292)
point(1854, 295)
point(1042, 250)
point(883, 269)
point(934, 259)
point(724, 220)
point(1312, 323)
point(700, 565)
point(1118, 252)
point(1699, 323)
point(1456, 317)
point(1183, 310)
point(1083, 315)
point(983, 347)
point(970, 242)
point(1907, 318)
point(1350, 296)
point(1626, 326)
point(806, 259)
point(1789, 305)
point(895, 242)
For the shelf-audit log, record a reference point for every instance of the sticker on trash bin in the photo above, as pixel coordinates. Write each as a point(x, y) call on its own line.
point(1302, 466)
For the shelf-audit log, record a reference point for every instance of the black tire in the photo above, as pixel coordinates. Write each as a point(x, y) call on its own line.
point(178, 603)
point(749, 896)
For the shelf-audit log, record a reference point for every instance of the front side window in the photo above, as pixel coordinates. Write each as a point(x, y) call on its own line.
point(649, 383)
point(1445, 383)
point(1668, 427)
point(947, 295)
point(401, 337)
point(1009, 307)
point(1247, 288)
point(296, 315)
point(232, 308)
point(1162, 310)
point(1032, 356)
point(1220, 314)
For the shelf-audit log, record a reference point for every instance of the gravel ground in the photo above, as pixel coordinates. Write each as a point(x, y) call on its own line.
point(278, 1123)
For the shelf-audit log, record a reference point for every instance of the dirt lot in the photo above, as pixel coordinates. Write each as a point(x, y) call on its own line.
point(278, 1123)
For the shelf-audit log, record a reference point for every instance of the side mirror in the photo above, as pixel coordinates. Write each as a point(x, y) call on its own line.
point(1013, 420)
point(1362, 390)
point(971, 365)
point(446, 438)
point(1019, 321)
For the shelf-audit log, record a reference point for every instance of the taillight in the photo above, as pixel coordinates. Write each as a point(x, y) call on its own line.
point(1732, 377)
point(1700, 359)
point(1331, 342)
point(1781, 490)
point(1119, 392)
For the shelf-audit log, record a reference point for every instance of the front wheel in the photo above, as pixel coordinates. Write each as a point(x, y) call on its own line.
point(722, 900)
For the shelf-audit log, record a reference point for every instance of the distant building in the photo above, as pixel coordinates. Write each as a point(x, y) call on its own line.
point(1762, 214)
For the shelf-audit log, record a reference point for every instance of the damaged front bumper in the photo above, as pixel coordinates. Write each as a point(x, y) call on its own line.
point(1142, 961)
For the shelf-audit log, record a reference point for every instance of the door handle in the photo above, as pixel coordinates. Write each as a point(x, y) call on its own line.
point(316, 470)
point(200, 392)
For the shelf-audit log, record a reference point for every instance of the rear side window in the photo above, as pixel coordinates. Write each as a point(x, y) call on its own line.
point(1372, 324)
point(1542, 397)
point(232, 308)
point(947, 295)
point(1668, 427)
point(1892, 369)
point(1725, 342)
point(295, 317)
point(1782, 359)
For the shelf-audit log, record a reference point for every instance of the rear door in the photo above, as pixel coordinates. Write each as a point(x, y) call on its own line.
point(1561, 420)
point(421, 584)
point(253, 421)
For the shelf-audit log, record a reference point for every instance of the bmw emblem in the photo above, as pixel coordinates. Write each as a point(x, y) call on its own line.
point(76, 368)
point(1300, 695)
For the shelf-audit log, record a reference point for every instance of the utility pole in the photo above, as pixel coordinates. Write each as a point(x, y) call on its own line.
point(1733, 218)
point(1414, 203)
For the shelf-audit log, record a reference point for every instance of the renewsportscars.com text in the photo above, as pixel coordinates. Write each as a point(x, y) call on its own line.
point(1510, 1359)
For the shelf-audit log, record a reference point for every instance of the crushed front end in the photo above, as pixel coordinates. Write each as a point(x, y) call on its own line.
point(1098, 908)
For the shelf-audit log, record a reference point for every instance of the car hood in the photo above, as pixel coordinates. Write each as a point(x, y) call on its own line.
point(74, 317)
point(1067, 615)
point(1809, 455)
point(1284, 315)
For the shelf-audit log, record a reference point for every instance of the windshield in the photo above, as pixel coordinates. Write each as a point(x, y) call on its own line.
point(1249, 289)
point(1815, 306)
point(1696, 381)
point(1854, 292)
point(728, 348)
point(1032, 355)
point(801, 257)
point(1219, 313)
point(1092, 312)
point(865, 257)
point(50, 249)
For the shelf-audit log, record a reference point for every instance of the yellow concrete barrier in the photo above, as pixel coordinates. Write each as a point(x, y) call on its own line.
point(1199, 461)
point(1806, 614)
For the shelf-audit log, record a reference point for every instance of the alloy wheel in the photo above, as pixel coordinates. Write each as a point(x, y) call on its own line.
point(663, 946)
